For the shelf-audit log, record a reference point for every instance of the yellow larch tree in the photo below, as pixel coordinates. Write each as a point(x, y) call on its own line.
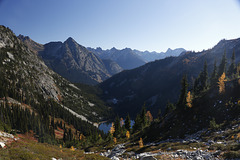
point(112, 129)
point(128, 134)
point(189, 99)
point(81, 137)
point(72, 148)
point(140, 143)
point(149, 116)
point(238, 135)
point(115, 140)
point(221, 83)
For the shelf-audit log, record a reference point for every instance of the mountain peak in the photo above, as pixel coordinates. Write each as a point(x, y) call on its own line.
point(127, 49)
point(23, 38)
point(113, 49)
point(70, 40)
point(169, 50)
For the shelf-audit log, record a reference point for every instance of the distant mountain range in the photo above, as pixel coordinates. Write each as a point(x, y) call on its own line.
point(130, 59)
point(126, 58)
point(87, 65)
point(158, 82)
point(152, 56)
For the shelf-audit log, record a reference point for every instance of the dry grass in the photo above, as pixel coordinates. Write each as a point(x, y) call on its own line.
point(28, 149)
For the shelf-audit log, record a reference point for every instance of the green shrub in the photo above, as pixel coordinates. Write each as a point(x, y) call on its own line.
point(232, 154)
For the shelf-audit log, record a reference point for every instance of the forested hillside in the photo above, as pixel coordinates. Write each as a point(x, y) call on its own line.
point(33, 96)
point(157, 83)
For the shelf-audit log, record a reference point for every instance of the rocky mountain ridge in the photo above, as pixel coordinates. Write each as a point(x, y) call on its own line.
point(126, 58)
point(73, 61)
point(156, 83)
point(152, 56)
point(131, 58)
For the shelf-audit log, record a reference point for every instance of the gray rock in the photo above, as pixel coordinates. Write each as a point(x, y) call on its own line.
point(148, 158)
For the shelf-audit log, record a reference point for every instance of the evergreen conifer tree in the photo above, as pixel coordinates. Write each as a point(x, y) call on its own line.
point(201, 83)
point(117, 126)
point(213, 80)
point(183, 95)
point(222, 66)
point(128, 123)
point(204, 78)
point(143, 117)
point(137, 124)
point(232, 67)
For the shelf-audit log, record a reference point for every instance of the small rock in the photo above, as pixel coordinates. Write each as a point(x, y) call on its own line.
point(148, 158)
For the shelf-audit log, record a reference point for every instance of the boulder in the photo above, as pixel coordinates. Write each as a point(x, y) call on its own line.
point(148, 158)
point(2, 145)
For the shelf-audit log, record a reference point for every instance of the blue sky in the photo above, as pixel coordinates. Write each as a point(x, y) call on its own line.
point(153, 25)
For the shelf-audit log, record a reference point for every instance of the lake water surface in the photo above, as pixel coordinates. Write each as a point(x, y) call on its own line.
point(105, 127)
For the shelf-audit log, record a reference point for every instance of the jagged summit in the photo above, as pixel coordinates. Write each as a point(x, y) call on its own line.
point(73, 61)
point(70, 40)
point(22, 37)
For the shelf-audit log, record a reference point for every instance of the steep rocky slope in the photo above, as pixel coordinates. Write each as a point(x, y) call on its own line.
point(73, 61)
point(26, 78)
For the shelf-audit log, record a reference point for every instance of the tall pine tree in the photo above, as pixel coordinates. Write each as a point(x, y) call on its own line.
point(232, 68)
point(183, 95)
point(201, 83)
point(117, 126)
point(213, 80)
point(204, 78)
point(222, 66)
point(128, 123)
point(143, 117)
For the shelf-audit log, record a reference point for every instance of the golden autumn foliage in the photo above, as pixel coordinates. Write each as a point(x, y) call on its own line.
point(128, 134)
point(238, 69)
point(221, 83)
point(81, 137)
point(189, 99)
point(60, 148)
point(112, 129)
point(238, 135)
point(72, 148)
point(140, 143)
point(115, 140)
point(149, 116)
